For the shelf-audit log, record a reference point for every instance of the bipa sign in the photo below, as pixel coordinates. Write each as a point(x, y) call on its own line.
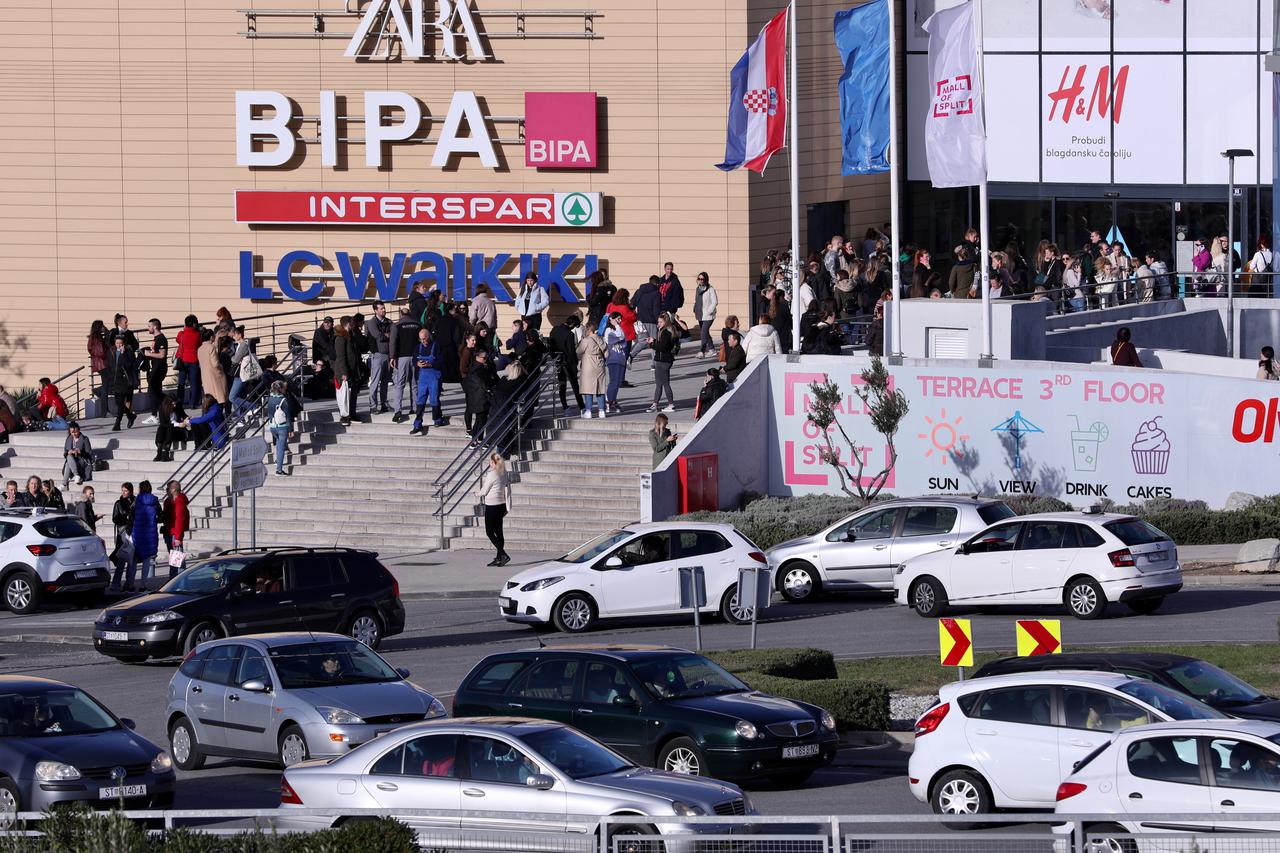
point(385, 20)
point(560, 130)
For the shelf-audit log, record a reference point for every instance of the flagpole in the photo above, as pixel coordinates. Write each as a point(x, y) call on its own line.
point(793, 108)
point(895, 342)
point(984, 225)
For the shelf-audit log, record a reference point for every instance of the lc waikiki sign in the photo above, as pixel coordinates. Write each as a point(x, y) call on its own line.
point(1062, 430)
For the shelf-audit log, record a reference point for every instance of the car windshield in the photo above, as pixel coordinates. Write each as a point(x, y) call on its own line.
point(685, 677)
point(574, 754)
point(1135, 531)
point(206, 578)
point(1212, 685)
point(48, 713)
point(1174, 705)
point(330, 664)
point(596, 547)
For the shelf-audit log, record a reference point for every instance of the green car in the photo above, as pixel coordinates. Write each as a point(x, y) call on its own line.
point(661, 707)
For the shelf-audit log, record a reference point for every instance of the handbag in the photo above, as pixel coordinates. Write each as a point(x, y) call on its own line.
point(724, 352)
point(101, 464)
point(177, 558)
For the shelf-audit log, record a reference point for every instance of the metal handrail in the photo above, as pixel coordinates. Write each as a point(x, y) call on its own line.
point(26, 399)
point(501, 430)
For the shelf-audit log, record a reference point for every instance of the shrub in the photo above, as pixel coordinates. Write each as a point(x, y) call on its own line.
point(1027, 504)
point(856, 705)
point(799, 664)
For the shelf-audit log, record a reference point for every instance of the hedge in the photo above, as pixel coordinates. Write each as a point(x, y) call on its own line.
point(801, 664)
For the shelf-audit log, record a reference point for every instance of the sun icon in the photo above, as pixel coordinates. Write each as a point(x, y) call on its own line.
point(943, 435)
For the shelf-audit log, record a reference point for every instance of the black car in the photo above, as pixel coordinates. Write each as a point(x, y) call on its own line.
point(1210, 684)
point(662, 707)
point(254, 591)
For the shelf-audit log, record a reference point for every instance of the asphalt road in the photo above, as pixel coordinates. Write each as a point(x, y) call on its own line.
point(444, 639)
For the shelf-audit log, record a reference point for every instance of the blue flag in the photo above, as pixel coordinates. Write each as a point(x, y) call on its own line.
point(862, 38)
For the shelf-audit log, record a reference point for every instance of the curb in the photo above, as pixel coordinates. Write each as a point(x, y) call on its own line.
point(874, 740)
point(57, 639)
point(448, 595)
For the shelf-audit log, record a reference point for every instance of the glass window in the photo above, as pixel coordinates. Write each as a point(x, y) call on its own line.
point(1135, 531)
point(1001, 538)
point(991, 513)
point(606, 685)
point(496, 676)
point(929, 520)
point(191, 666)
point(1100, 712)
point(207, 577)
point(551, 679)
point(1176, 706)
point(330, 664)
point(431, 756)
point(596, 547)
point(574, 754)
point(220, 664)
point(8, 531)
point(647, 549)
point(62, 527)
point(1087, 536)
point(1047, 535)
point(264, 578)
point(311, 571)
point(1030, 705)
point(696, 543)
point(43, 712)
point(391, 764)
point(492, 760)
point(1165, 759)
point(1210, 684)
point(253, 667)
point(875, 525)
point(1242, 764)
point(684, 676)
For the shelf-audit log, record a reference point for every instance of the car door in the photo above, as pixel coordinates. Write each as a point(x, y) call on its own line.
point(1013, 741)
point(925, 528)
point(711, 551)
point(1245, 781)
point(1042, 562)
point(546, 690)
point(1089, 718)
point(608, 708)
point(982, 572)
point(646, 580)
point(494, 779)
point(1163, 775)
point(207, 695)
point(247, 714)
point(859, 554)
point(319, 597)
point(259, 602)
point(421, 773)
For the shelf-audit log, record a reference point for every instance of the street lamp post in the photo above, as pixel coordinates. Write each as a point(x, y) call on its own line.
point(1231, 154)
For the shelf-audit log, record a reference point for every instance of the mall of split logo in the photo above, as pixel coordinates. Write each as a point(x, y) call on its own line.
point(384, 23)
point(1106, 96)
point(954, 96)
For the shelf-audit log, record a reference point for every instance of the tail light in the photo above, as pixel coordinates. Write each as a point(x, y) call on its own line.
point(758, 557)
point(1123, 557)
point(43, 550)
point(288, 796)
point(1067, 790)
point(932, 719)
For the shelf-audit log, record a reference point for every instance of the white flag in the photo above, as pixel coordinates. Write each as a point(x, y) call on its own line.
point(954, 138)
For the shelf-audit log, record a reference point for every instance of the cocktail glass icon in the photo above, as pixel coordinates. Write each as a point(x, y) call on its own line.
point(1085, 442)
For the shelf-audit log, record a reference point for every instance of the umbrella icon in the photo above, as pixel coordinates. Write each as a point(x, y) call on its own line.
point(1017, 426)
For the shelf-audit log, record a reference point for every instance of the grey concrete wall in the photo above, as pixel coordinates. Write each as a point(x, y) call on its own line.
point(1257, 327)
point(1193, 331)
point(1121, 313)
point(1017, 327)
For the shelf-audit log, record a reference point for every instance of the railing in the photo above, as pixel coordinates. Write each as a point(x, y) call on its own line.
point(73, 400)
point(504, 428)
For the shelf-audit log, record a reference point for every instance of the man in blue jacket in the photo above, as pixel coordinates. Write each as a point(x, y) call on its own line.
point(427, 359)
point(647, 303)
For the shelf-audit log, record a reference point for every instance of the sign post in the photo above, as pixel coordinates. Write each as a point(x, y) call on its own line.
point(955, 640)
point(753, 586)
point(693, 593)
point(247, 473)
point(1038, 637)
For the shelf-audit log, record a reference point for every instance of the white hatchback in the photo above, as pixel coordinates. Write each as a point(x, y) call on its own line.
point(634, 571)
point(1082, 560)
point(49, 556)
point(1211, 774)
point(1007, 741)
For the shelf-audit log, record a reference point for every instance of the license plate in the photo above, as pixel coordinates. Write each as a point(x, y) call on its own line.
point(1157, 557)
point(115, 635)
point(115, 792)
point(87, 573)
point(807, 751)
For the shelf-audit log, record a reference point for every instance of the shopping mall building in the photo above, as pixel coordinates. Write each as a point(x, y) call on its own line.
point(270, 155)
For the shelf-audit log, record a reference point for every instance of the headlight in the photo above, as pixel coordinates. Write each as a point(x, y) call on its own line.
point(436, 709)
point(55, 771)
point(686, 810)
point(746, 730)
point(339, 716)
point(828, 721)
point(750, 806)
point(101, 617)
point(162, 616)
point(162, 763)
point(531, 586)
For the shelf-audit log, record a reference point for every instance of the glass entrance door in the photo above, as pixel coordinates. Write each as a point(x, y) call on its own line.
point(1147, 226)
point(1076, 219)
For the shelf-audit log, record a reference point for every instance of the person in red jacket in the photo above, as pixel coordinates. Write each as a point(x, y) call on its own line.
point(177, 521)
point(188, 362)
point(49, 402)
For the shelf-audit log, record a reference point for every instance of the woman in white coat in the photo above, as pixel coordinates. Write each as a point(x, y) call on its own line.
point(761, 340)
point(495, 494)
point(705, 302)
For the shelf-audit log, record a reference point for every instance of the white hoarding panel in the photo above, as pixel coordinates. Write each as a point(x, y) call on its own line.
point(1148, 119)
point(1223, 25)
point(1148, 25)
point(1075, 25)
point(1222, 113)
point(1012, 25)
point(1013, 146)
point(1075, 116)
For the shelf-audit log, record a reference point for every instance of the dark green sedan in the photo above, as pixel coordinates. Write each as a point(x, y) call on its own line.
point(662, 707)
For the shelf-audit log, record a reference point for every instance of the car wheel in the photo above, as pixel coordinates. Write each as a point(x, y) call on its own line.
point(731, 610)
point(367, 628)
point(21, 592)
point(1085, 599)
point(633, 838)
point(574, 613)
point(960, 792)
point(928, 598)
point(293, 746)
point(1096, 840)
point(184, 747)
point(10, 802)
point(799, 582)
point(1146, 605)
point(682, 756)
point(202, 633)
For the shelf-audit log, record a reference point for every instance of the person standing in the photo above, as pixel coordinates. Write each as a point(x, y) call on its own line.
point(663, 357)
point(735, 357)
point(212, 377)
point(427, 360)
point(564, 343)
point(77, 456)
point(477, 388)
point(123, 331)
point(532, 301)
point(280, 417)
point(647, 304)
point(83, 509)
point(1267, 367)
point(188, 361)
point(322, 343)
point(762, 340)
point(346, 367)
point(495, 494)
point(1123, 352)
point(483, 308)
point(123, 372)
point(377, 330)
point(98, 361)
point(661, 441)
point(122, 519)
point(670, 290)
point(156, 360)
point(592, 378)
point(600, 292)
point(146, 517)
point(705, 302)
point(404, 340)
point(615, 341)
point(248, 370)
point(176, 514)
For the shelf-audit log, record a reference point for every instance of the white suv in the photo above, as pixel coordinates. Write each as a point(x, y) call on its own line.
point(49, 555)
point(1080, 559)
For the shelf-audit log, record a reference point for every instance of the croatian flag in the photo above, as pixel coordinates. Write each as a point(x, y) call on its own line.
point(758, 100)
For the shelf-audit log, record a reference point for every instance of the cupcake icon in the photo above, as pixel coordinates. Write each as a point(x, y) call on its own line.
point(1150, 448)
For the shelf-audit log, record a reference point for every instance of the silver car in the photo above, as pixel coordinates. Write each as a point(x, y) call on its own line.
point(859, 552)
point(287, 697)
point(511, 774)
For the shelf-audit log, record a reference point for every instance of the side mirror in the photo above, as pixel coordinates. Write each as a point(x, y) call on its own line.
point(402, 672)
point(963, 549)
point(540, 782)
point(850, 536)
point(255, 685)
point(613, 563)
point(128, 723)
point(625, 702)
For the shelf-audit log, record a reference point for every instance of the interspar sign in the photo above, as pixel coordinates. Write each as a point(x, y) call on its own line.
point(321, 207)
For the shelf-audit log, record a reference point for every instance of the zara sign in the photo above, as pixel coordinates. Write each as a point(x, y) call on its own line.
point(453, 22)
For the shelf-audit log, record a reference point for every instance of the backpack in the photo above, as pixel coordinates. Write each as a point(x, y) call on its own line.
point(280, 413)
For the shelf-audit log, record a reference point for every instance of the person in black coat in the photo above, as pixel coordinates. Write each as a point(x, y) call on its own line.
point(599, 296)
point(670, 290)
point(712, 389)
point(448, 334)
point(565, 344)
point(478, 387)
point(322, 346)
point(122, 378)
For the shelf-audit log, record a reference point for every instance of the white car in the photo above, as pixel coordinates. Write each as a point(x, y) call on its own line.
point(1212, 772)
point(1082, 560)
point(47, 555)
point(634, 571)
point(1008, 740)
